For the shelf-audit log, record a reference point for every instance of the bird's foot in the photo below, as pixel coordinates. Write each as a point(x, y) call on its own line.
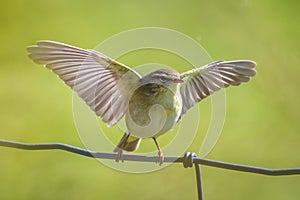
point(160, 158)
point(119, 156)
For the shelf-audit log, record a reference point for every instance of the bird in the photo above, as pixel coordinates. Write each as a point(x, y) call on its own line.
point(152, 104)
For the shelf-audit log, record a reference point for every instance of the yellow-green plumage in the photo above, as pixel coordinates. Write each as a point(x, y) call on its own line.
point(147, 96)
point(154, 108)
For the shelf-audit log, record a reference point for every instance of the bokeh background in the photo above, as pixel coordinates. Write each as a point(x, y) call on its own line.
point(262, 124)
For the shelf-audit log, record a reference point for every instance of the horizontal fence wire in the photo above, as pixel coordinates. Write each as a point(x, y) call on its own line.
point(188, 160)
point(176, 159)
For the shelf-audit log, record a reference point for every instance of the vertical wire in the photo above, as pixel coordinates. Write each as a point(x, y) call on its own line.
point(199, 182)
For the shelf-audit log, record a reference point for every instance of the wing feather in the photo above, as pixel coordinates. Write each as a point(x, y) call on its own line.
point(204, 81)
point(103, 83)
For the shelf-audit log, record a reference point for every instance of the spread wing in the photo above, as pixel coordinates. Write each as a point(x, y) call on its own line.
point(203, 81)
point(104, 84)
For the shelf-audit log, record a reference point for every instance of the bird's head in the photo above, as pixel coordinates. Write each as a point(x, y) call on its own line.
point(166, 77)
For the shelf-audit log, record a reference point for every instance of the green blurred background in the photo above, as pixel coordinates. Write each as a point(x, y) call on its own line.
point(262, 124)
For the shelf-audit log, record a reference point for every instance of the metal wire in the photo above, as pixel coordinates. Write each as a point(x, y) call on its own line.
point(188, 160)
point(176, 159)
point(199, 182)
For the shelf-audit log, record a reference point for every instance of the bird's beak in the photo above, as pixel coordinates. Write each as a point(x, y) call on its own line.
point(178, 80)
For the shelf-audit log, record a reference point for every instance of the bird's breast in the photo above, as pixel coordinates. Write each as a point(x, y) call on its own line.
point(153, 110)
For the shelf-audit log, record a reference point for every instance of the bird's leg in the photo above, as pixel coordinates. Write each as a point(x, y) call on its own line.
point(160, 153)
point(119, 155)
point(120, 147)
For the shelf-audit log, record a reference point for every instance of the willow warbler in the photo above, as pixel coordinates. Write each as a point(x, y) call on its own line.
point(152, 104)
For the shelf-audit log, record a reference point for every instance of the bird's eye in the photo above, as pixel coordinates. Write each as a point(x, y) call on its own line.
point(163, 79)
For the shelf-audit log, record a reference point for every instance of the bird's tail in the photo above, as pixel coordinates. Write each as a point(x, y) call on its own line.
point(128, 143)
